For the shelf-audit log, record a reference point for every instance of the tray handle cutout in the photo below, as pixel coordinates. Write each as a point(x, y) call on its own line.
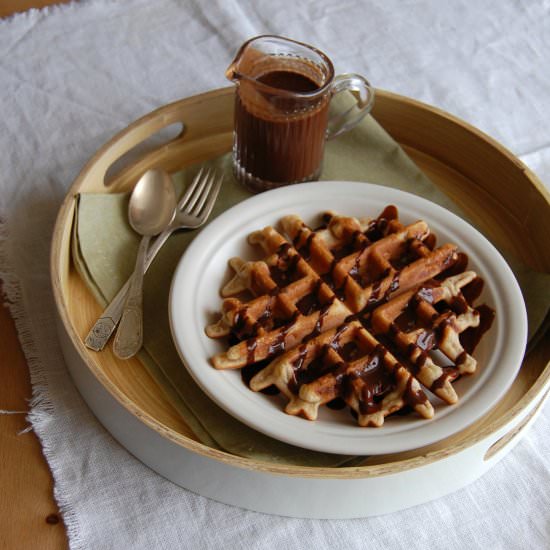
point(508, 437)
point(140, 144)
point(160, 138)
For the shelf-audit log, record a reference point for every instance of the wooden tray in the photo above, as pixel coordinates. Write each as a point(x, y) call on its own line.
point(506, 201)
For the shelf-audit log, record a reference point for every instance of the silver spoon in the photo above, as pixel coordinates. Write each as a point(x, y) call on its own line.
point(152, 207)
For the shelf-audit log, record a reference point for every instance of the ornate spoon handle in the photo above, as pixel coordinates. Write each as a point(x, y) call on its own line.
point(129, 337)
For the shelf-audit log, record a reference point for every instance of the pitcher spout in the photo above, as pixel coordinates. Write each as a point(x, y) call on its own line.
point(235, 70)
point(246, 63)
point(231, 72)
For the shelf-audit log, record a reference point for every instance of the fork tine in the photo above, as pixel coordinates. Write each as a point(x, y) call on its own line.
point(190, 206)
point(191, 189)
point(203, 196)
point(211, 199)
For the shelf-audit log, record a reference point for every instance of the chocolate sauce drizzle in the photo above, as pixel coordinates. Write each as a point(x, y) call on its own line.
point(372, 379)
point(319, 323)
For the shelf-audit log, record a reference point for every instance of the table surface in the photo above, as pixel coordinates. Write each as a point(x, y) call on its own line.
point(27, 507)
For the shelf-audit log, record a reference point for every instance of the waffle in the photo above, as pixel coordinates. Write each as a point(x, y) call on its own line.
point(367, 313)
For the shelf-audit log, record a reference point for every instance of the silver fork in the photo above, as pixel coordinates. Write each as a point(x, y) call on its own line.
point(194, 208)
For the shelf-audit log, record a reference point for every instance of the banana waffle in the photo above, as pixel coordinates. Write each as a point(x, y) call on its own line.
point(366, 313)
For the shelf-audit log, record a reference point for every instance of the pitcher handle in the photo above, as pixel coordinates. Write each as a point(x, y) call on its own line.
point(342, 122)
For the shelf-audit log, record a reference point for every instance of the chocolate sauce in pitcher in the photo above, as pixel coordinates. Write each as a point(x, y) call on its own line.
point(280, 125)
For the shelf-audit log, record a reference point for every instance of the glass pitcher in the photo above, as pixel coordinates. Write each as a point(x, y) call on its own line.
point(284, 90)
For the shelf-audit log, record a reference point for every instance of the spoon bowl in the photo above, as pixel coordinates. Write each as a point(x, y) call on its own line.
point(152, 204)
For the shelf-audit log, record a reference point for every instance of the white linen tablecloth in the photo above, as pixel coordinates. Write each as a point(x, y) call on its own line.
point(72, 76)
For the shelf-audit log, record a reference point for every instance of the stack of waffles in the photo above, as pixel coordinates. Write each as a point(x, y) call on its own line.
point(367, 313)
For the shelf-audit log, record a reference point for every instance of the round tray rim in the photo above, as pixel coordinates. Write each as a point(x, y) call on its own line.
point(366, 471)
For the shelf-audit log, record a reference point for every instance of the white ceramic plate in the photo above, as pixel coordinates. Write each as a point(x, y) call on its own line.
point(195, 302)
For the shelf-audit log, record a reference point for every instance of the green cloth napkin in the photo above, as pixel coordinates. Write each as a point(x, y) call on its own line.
point(104, 252)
